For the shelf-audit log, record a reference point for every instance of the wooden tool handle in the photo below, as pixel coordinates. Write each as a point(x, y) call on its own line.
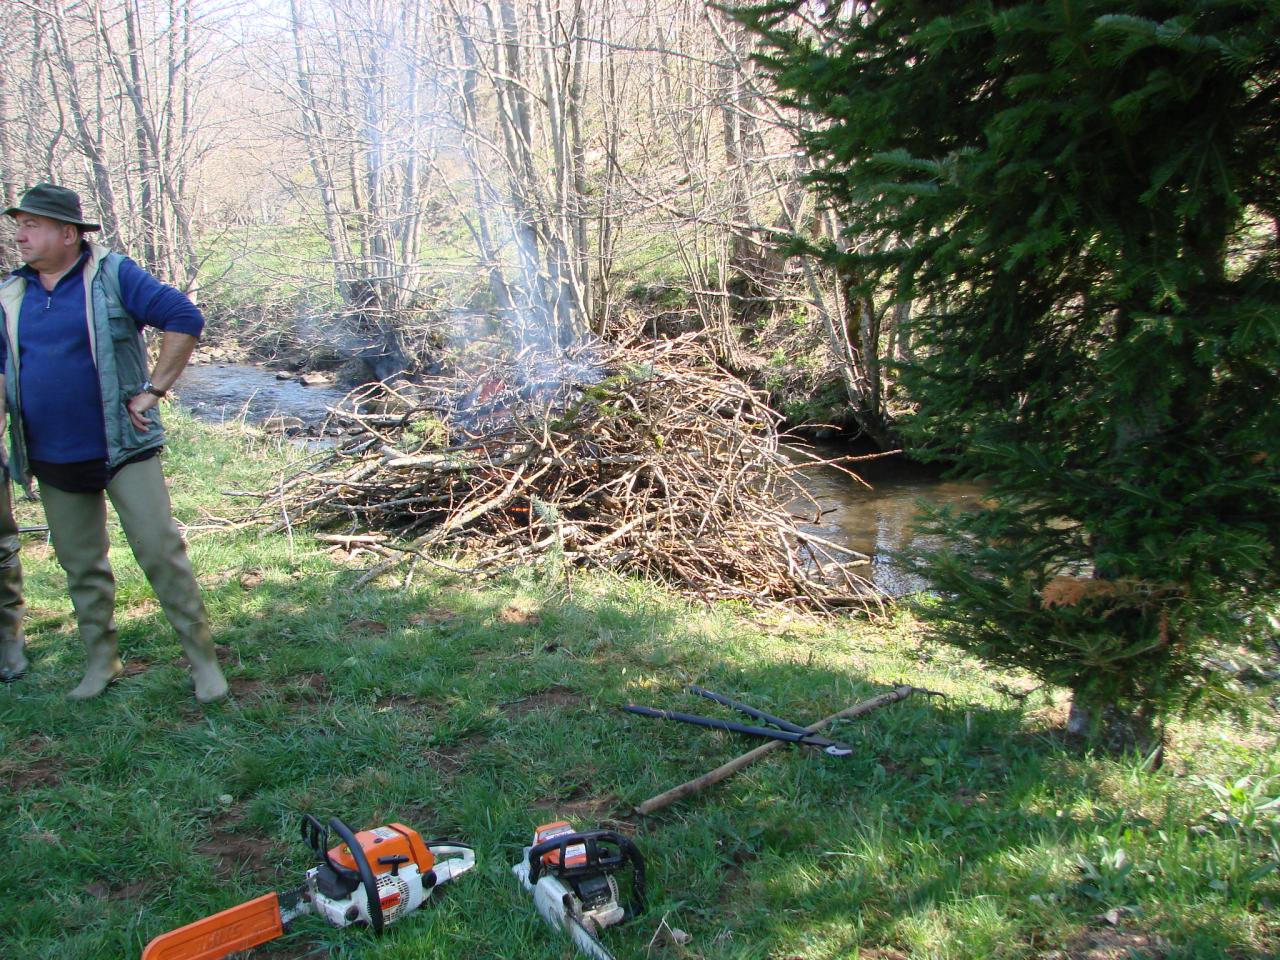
point(733, 766)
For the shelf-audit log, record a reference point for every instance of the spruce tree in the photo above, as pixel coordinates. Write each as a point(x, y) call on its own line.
point(1081, 200)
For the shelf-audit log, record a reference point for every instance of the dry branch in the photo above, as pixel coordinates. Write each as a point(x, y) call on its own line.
point(646, 460)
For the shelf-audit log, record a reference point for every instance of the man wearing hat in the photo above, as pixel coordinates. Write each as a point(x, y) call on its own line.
point(84, 422)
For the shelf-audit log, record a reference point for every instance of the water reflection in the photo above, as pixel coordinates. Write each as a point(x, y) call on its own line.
point(878, 521)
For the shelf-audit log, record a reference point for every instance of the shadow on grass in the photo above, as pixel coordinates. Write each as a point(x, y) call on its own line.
point(477, 712)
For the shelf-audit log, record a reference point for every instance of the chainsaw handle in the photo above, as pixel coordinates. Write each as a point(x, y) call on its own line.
point(364, 870)
point(631, 852)
point(597, 860)
point(316, 836)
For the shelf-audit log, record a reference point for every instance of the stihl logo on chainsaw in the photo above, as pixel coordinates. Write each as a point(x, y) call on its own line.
point(220, 938)
point(372, 878)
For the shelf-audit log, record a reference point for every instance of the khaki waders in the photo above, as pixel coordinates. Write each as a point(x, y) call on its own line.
point(78, 526)
point(13, 658)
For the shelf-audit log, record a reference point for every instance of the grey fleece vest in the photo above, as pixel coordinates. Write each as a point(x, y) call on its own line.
point(119, 353)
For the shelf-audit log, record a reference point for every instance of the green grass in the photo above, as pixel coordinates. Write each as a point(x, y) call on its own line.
point(250, 266)
point(248, 269)
point(962, 827)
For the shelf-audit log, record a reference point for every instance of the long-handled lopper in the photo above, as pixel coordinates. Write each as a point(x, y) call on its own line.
point(785, 730)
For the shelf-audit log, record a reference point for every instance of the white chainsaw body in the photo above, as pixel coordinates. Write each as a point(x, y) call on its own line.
point(399, 893)
point(562, 910)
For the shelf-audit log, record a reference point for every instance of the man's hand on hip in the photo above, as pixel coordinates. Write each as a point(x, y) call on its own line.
point(138, 406)
point(175, 351)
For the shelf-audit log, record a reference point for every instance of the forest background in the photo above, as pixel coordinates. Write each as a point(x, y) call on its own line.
point(361, 179)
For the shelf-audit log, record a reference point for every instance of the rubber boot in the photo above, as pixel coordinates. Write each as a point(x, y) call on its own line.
point(141, 499)
point(13, 657)
point(78, 525)
point(13, 646)
point(102, 661)
point(210, 684)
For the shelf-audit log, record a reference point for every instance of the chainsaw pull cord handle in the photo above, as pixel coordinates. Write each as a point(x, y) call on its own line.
point(597, 859)
point(364, 870)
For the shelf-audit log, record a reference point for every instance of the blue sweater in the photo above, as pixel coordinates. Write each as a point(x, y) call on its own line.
point(61, 400)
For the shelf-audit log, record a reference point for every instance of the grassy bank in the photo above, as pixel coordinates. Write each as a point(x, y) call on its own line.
point(962, 827)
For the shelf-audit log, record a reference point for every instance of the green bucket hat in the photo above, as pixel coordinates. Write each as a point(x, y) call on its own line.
point(56, 203)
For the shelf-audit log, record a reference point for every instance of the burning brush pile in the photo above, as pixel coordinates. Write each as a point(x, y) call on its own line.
point(645, 460)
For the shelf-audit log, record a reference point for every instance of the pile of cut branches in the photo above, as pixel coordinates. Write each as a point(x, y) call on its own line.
point(646, 460)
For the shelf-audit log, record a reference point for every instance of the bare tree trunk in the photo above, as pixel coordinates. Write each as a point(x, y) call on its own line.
point(467, 61)
point(561, 69)
point(855, 338)
point(8, 175)
point(86, 128)
point(408, 225)
point(611, 121)
point(516, 124)
point(1138, 731)
point(314, 139)
point(156, 181)
point(578, 239)
point(146, 161)
point(739, 135)
point(178, 130)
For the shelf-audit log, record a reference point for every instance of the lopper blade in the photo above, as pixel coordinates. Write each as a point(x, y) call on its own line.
point(212, 938)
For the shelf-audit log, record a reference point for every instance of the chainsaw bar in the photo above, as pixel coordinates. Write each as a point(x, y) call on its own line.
point(372, 878)
point(239, 928)
point(584, 939)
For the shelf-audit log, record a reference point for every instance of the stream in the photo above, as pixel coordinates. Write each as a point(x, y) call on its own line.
point(218, 392)
point(876, 522)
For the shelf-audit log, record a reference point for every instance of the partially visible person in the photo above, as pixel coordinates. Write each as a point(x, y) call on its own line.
point(13, 646)
point(83, 421)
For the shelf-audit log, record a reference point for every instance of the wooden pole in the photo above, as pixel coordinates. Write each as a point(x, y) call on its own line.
point(727, 770)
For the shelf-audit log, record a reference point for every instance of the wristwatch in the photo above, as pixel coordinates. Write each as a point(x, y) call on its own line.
point(151, 388)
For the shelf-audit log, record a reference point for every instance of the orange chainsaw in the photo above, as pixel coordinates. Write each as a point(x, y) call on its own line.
point(372, 878)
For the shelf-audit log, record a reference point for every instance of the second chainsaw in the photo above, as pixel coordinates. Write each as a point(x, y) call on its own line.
point(573, 879)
